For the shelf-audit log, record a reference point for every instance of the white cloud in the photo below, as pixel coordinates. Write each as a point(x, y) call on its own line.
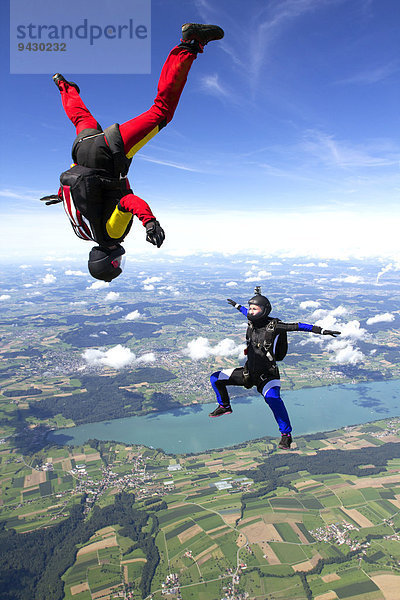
point(212, 84)
point(339, 311)
point(309, 304)
point(349, 279)
point(353, 330)
point(78, 302)
point(117, 357)
point(231, 284)
point(331, 152)
point(5, 297)
point(132, 316)
point(148, 288)
point(149, 280)
point(389, 267)
point(343, 349)
point(98, 285)
point(381, 318)
point(111, 296)
point(204, 235)
point(251, 276)
point(76, 273)
point(200, 348)
point(25, 266)
point(344, 353)
point(48, 278)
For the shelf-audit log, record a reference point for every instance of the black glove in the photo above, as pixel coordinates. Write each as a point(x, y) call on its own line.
point(329, 332)
point(233, 303)
point(154, 233)
point(53, 199)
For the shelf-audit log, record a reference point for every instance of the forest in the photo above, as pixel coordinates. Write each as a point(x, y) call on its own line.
point(31, 564)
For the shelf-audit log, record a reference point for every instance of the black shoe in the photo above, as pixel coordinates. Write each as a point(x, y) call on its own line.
point(221, 410)
point(285, 442)
point(57, 78)
point(201, 33)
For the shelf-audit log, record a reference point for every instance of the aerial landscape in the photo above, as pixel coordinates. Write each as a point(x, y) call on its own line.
point(240, 521)
point(262, 142)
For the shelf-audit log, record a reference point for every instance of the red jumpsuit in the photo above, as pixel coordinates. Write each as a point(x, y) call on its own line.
point(139, 130)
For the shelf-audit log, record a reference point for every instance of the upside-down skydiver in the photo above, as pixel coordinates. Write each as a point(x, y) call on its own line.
point(96, 192)
point(266, 343)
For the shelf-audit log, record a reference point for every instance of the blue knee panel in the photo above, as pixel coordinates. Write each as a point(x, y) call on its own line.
point(214, 378)
point(275, 402)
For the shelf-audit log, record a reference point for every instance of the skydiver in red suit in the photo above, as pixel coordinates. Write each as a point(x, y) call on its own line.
point(102, 206)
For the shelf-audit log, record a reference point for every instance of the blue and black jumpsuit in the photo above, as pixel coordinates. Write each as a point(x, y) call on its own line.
point(260, 369)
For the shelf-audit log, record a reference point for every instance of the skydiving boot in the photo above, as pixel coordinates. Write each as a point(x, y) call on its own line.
point(195, 35)
point(221, 410)
point(285, 442)
point(58, 78)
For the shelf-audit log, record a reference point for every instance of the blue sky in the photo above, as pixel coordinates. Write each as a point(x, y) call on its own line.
point(286, 137)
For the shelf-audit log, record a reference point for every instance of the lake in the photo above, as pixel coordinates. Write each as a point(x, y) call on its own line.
point(189, 429)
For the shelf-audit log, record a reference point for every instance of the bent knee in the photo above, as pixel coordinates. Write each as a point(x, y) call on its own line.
point(273, 393)
point(215, 376)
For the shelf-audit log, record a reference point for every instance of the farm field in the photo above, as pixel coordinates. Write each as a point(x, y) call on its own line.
point(268, 525)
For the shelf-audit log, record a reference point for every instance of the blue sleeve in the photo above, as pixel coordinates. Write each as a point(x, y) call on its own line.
point(305, 327)
point(243, 310)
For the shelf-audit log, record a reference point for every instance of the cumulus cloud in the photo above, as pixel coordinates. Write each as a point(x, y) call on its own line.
point(117, 357)
point(321, 313)
point(170, 288)
point(78, 303)
point(349, 279)
point(342, 350)
point(111, 296)
point(231, 284)
point(309, 304)
point(148, 288)
point(48, 278)
point(344, 353)
point(382, 318)
point(253, 276)
point(98, 285)
point(149, 280)
point(200, 348)
point(4, 297)
point(132, 316)
point(76, 273)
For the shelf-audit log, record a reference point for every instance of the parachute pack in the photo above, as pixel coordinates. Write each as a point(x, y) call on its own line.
point(90, 196)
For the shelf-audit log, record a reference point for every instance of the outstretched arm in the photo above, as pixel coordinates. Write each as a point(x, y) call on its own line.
point(239, 307)
point(306, 327)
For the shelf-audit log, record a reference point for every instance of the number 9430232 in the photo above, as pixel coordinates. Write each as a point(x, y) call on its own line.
point(42, 47)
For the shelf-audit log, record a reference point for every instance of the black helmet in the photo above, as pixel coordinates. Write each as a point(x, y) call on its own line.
point(105, 263)
point(265, 304)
